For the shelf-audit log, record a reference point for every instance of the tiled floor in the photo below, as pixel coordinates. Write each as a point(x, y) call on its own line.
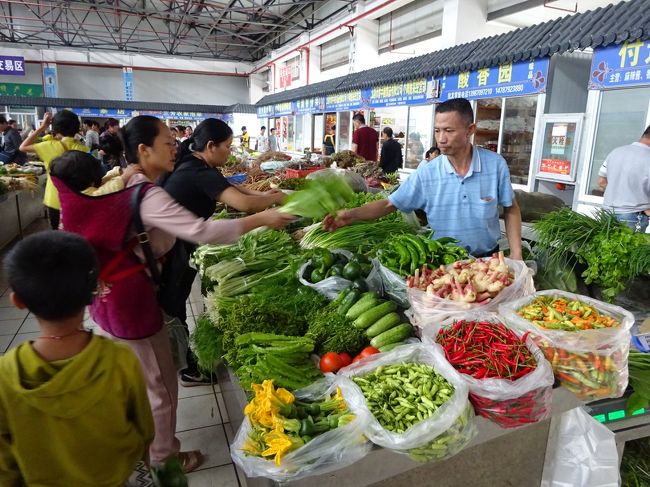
point(202, 419)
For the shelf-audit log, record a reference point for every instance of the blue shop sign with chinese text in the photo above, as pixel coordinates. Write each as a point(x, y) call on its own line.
point(523, 78)
point(265, 111)
point(12, 65)
point(315, 104)
point(347, 100)
point(626, 64)
point(280, 109)
point(414, 92)
point(100, 112)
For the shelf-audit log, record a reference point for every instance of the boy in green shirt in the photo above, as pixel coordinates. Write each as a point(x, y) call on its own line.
point(73, 406)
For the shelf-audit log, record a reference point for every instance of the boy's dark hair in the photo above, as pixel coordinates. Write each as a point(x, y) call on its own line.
point(360, 118)
point(89, 123)
point(272, 130)
point(65, 123)
point(110, 144)
point(460, 105)
point(262, 127)
point(78, 170)
point(243, 129)
point(646, 133)
point(388, 131)
point(54, 273)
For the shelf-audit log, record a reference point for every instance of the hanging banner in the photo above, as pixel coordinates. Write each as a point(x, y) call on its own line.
point(49, 81)
point(348, 100)
point(626, 64)
point(127, 78)
point(12, 65)
point(315, 104)
point(523, 78)
point(179, 116)
point(20, 89)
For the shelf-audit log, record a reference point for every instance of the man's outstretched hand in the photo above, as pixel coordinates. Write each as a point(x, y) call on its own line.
point(342, 218)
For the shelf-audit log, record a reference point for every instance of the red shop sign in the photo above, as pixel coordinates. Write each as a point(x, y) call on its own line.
point(556, 166)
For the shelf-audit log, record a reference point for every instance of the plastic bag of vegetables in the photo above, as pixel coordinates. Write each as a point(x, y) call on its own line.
point(510, 382)
point(469, 285)
point(330, 272)
point(417, 402)
point(586, 341)
point(336, 448)
point(394, 285)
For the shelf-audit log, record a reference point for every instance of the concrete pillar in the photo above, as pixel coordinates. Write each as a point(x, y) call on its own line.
point(462, 20)
point(365, 53)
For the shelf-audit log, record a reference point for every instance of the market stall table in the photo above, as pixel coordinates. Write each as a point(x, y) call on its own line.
point(496, 456)
point(18, 209)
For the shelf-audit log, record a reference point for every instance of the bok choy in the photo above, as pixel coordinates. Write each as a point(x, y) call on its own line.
point(320, 197)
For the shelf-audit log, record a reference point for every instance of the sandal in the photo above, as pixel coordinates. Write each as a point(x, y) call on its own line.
point(190, 460)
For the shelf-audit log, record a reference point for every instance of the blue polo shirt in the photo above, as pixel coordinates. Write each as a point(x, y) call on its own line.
point(465, 208)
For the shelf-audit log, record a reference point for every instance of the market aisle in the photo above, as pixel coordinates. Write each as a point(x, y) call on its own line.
point(202, 420)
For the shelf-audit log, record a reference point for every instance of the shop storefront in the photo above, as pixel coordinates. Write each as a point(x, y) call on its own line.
point(507, 101)
point(618, 111)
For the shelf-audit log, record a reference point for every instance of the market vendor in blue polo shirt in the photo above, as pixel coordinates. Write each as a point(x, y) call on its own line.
point(460, 190)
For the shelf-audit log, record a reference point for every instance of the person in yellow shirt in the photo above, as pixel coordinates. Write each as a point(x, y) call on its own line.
point(73, 406)
point(245, 138)
point(65, 125)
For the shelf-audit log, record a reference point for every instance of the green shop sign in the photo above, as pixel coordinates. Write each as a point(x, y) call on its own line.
point(20, 89)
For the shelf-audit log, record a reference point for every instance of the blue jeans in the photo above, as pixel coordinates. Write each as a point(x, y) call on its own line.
point(637, 221)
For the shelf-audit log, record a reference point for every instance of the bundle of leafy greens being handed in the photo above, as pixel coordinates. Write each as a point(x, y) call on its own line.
point(321, 197)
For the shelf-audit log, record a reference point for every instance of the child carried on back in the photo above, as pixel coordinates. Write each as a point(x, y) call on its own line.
point(82, 172)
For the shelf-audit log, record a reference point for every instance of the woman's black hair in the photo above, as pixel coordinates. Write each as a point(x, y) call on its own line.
point(65, 123)
point(78, 170)
point(211, 129)
point(142, 129)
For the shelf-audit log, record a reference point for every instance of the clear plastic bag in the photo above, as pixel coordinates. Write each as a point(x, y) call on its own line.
point(327, 452)
point(439, 436)
point(590, 363)
point(332, 286)
point(509, 403)
point(429, 309)
point(394, 285)
point(584, 454)
point(179, 341)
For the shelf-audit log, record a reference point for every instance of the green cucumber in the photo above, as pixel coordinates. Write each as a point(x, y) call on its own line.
point(372, 315)
point(390, 346)
point(341, 296)
point(383, 324)
point(349, 301)
point(367, 301)
point(394, 335)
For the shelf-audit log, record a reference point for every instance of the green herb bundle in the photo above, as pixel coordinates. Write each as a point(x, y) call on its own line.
point(613, 253)
point(320, 197)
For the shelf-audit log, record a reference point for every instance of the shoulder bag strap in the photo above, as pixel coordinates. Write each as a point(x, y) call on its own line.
point(142, 235)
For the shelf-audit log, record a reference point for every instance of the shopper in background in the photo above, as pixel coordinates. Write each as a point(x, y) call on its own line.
point(180, 133)
point(188, 131)
point(113, 126)
point(91, 139)
point(364, 139)
point(461, 195)
point(391, 152)
point(431, 154)
point(197, 184)
point(245, 138)
point(273, 141)
point(148, 144)
point(65, 125)
point(73, 406)
point(262, 144)
point(416, 149)
point(13, 124)
point(625, 176)
point(329, 141)
point(12, 141)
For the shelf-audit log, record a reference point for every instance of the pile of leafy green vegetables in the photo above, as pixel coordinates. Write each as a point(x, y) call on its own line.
point(612, 252)
point(319, 198)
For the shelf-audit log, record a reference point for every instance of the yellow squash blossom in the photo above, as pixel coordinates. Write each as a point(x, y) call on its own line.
point(279, 444)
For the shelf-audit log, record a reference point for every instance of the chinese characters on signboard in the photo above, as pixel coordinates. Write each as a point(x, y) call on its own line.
point(558, 150)
point(523, 78)
point(624, 64)
point(12, 65)
point(127, 77)
point(285, 76)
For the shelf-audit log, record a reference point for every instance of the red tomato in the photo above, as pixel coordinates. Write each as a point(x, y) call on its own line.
point(368, 351)
point(330, 362)
point(356, 359)
point(345, 358)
